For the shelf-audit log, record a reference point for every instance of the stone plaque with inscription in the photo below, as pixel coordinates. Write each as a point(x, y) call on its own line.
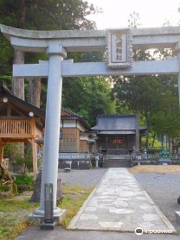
point(119, 48)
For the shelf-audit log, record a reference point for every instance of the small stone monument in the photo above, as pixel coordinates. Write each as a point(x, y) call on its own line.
point(37, 189)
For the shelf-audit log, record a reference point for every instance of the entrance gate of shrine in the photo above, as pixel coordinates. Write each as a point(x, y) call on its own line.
point(117, 44)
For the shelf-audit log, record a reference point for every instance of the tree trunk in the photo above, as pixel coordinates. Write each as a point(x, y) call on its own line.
point(23, 14)
point(34, 99)
point(167, 143)
point(162, 141)
point(147, 132)
point(170, 144)
point(18, 85)
point(35, 91)
point(153, 140)
point(5, 175)
point(17, 82)
point(147, 139)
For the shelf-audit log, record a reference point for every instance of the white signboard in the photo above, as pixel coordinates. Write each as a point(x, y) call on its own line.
point(119, 48)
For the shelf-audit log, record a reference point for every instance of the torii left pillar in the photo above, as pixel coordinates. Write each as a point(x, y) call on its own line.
point(56, 54)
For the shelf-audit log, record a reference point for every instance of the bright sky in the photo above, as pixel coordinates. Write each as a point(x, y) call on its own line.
point(153, 13)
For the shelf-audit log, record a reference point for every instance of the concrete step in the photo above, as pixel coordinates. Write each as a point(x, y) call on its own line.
point(118, 151)
point(114, 163)
point(117, 157)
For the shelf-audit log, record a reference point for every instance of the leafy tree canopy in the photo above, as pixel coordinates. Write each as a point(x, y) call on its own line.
point(89, 97)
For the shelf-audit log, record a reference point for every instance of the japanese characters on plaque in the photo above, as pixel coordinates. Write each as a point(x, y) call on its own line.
point(118, 141)
point(119, 48)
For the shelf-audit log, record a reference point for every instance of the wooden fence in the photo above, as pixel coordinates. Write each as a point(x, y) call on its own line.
point(15, 128)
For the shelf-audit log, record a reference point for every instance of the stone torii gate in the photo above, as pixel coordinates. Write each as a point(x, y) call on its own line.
point(116, 43)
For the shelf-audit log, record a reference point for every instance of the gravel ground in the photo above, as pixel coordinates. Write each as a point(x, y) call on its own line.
point(85, 178)
point(164, 189)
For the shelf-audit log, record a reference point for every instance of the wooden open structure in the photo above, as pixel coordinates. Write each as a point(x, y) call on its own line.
point(19, 122)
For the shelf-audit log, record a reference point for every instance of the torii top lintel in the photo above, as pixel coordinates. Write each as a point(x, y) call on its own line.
point(87, 40)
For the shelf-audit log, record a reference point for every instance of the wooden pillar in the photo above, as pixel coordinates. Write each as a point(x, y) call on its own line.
point(1, 151)
point(34, 148)
point(106, 144)
point(34, 153)
point(137, 132)
point(127, 138)
point(140, 139)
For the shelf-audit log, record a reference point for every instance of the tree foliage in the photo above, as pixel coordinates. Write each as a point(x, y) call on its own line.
point(88, 96)
point(41, 15)
point(47, 14)
point(154, 97)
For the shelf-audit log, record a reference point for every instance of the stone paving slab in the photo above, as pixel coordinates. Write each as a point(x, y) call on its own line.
point(119, 204)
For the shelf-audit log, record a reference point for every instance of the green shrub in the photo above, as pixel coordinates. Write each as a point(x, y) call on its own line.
point(13, 188)
point(17, 159)
point(24, 179)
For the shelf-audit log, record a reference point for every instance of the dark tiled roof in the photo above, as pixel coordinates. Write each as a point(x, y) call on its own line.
point(27, 107)
point(73, 116)
point(76, 117)
point(4, 88)
point(116, 123)
point(70, 113)
point(24, 106)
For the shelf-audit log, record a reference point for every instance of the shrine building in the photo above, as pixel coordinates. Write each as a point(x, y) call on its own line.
point(116, 134)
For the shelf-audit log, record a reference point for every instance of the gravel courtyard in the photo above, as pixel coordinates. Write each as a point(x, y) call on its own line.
point(164, 189)
point(86, 178)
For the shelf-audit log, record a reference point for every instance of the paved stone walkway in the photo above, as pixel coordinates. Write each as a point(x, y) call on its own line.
point(120, 204)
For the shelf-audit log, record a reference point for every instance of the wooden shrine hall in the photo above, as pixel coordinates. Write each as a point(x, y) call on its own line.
point(19, 122)
point(116, 133)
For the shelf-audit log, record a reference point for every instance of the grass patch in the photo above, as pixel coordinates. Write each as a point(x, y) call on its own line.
point(14, 217)
point(12, 230)
point(13, 213)
point(74, 197)
point(11, 205)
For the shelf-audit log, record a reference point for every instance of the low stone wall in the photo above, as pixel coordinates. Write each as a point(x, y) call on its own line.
point(75, 160)
point(75, 164)
point(152, 162)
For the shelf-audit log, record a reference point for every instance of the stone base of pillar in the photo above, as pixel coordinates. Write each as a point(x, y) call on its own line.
point(49, 226)
point(37, 217)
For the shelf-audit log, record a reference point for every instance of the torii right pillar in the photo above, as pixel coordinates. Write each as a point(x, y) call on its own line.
point(177, 51)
